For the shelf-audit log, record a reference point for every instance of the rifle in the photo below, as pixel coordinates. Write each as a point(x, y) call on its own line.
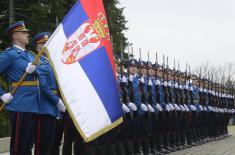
point(149, 87)
point(166, 94)
point(144, 95)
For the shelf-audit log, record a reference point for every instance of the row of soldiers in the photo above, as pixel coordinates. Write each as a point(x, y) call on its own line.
point(164, 109)
point(167, 109)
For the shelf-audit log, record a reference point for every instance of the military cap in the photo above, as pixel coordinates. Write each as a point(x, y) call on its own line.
point(132, 62)
point(149, 64)
point(40, 38)
point(157, 66)
point(142, 64)
point(16, 27)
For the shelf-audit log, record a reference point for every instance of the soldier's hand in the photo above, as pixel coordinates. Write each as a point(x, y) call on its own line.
point(30, 68)
point(186, 107)
point(177, 108)
point(125, 108)
point(143, 107)
point(6, 98)
point(60, 105)
point(182, 108)
point(193, 108)
point(167, 108)
point(159, 107)
point(171, 107)
point(132, 106)
point(150, 108)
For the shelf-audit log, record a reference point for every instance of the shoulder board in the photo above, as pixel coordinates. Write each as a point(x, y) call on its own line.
point(8, 49)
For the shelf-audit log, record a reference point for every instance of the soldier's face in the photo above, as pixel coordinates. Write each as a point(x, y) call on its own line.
point(132, 70)
point(21, 37)
point(159, 73)
point(151, 72)
point(143, 71)
point(39, 47)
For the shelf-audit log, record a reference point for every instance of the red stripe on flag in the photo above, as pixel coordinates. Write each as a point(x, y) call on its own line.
point(92, 9)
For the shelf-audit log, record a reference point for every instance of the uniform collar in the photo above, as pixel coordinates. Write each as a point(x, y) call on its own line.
point(19, 47)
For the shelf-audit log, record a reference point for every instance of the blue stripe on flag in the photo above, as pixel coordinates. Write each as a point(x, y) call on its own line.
point(74, 19)
point(99, 71)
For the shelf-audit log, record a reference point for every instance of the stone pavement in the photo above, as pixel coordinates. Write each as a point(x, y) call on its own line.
point(220, 147)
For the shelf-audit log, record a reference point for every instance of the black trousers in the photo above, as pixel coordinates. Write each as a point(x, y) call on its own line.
point(45, 135)
point(23, 128)
point(58, 136)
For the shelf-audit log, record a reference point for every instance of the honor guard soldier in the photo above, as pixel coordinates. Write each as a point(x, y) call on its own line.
point(161, 107)
point(50, 104)
point(23, 105)
point(135, 105)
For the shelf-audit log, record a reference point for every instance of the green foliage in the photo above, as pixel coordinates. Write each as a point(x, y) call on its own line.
point(4, 120)
point(4, 125)
point(117, 25)
point(41, 15)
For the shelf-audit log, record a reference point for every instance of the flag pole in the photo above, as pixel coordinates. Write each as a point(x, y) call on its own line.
point(23, 76)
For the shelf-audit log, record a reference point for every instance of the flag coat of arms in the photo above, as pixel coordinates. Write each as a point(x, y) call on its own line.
point(80, 52)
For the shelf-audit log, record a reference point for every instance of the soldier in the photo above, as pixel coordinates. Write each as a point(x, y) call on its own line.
point(157, 108)
point(123, 140)
point(135, 99)
point(162, 108)
point(183, 101)
point(50, 104)
point(23, 105)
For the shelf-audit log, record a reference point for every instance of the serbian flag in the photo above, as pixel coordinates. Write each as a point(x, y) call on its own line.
point(80, 53)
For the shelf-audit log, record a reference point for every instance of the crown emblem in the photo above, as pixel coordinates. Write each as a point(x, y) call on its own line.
point(101, 26)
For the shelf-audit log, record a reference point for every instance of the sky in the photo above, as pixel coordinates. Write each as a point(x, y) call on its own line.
point(193, 31)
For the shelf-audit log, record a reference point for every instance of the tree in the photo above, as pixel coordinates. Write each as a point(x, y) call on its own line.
point(117, 25)
point(44, 15)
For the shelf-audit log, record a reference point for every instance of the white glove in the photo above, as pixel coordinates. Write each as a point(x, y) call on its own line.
point(186, 107)
point(150, 108)
point(176, 85)
point(177, 108)
point(158, 82)
point(132, 106)
point(6, 98)
point(191, 88)
point(169, 83)
point(193, 108)
point(144, 107)
point(60, 105)
point(159, 108)
point(165, 83)
point(142, 79)
point(171, 106)
point(210, 108)
point(124, 80)
point(167, 108)
point(30, 68)
point(131, 78)
point(205, 109)
point(182, 108)
point(125, 108)
point(200, 107)
point(150, 83)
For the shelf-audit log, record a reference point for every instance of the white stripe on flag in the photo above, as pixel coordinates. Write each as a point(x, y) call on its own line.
point(84, 103)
